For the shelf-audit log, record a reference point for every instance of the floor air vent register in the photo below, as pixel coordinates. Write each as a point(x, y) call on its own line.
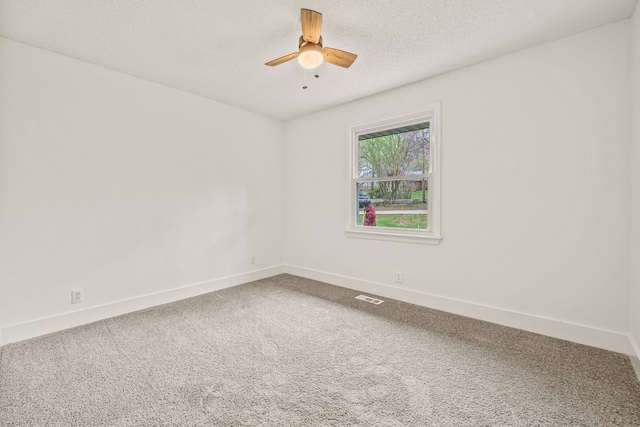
point(369, 299)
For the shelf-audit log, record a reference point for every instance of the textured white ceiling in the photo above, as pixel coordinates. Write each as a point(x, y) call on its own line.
point(217, 48)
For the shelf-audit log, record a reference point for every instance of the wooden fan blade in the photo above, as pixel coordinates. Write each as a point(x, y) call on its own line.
point(282, 59)
point(311, 25)
point(338, 57)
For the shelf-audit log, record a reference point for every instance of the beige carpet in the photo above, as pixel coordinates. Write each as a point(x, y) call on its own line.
point(287, 351)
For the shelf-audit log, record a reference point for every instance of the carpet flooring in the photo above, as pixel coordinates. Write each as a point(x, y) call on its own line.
point(288, 351)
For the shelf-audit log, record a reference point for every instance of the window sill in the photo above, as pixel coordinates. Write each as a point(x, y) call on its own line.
point(394, 236)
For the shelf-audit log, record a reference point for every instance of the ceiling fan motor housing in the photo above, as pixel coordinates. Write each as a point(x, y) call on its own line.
point(302, 42)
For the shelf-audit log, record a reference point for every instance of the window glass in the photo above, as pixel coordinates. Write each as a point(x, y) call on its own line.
point(394, 204)
point(396, 154)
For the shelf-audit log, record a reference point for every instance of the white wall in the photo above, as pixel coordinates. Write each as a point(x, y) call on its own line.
point(535, 192)
point(634, 307)
point(124, 188)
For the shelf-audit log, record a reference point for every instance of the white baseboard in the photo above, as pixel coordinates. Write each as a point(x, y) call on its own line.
point(635, 359)
point(45, 325)
point(601, 338)
point(582, 334)
point(635, 347)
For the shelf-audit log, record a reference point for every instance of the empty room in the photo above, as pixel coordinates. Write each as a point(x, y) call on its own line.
point(320, 213)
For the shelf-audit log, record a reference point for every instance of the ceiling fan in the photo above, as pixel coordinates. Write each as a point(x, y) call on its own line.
point(310, 51)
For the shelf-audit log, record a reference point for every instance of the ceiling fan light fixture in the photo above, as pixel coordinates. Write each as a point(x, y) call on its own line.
point(310, 56)
point(311, 52)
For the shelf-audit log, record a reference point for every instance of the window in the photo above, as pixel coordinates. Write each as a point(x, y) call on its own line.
point(394, 183)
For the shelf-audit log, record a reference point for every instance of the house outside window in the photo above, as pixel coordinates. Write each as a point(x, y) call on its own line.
point(394, 182)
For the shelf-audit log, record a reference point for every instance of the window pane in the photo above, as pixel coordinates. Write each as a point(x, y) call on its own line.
point(398, 154)
point(395, 204)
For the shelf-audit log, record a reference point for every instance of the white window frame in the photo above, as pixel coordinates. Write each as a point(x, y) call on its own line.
point(431, 236)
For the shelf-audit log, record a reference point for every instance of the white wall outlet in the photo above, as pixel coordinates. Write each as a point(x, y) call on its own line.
point(398, 276)
point(76, 296)
point(253, 260)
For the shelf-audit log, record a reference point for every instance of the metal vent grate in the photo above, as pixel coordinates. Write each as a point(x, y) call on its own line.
point(369, 299)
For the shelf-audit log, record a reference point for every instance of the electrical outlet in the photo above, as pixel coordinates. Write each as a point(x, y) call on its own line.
point(253, 260)
point(76, 296)
point(398, 276)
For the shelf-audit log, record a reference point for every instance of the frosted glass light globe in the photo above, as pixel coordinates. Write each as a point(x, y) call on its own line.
point(310, 56)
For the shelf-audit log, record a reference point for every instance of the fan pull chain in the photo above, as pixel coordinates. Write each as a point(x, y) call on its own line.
point(304, 78)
